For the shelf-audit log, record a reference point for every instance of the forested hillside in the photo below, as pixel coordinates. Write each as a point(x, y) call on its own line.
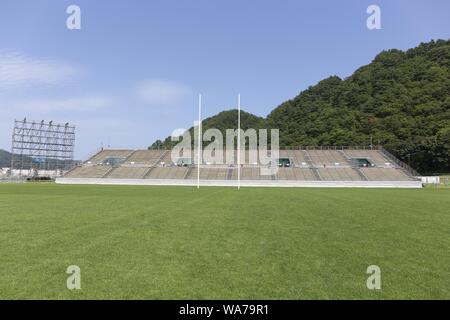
point(401, 100)
point(222, 121)
point(5, 159)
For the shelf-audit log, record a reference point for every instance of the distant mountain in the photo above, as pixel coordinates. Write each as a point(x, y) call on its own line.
point(5, 159)
point(400, 100)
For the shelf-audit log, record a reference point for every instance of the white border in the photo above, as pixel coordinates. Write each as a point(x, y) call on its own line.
point(244, 183)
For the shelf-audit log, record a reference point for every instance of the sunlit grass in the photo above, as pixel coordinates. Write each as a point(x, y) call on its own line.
point(214, 243)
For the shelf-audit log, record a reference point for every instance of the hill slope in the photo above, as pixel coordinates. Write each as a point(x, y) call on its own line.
point(5, 159)
point(222, 121)
point(401, 100)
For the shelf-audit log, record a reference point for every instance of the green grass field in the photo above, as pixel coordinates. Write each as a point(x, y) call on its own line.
point(221, 243)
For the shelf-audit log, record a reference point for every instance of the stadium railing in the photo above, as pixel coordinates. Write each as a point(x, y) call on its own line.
point(398, 162)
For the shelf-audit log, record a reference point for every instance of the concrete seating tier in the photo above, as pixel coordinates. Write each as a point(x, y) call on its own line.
point(127, 173)
point(249, 173)
point(109, 153)
point(327, 158)
point(94, 171)
point(167, 173)
point(340, 174)
point(209, 173)
point(386, 174)
point(306, 165)
point(149, 157)
point(297, 157)
point(295, 174)
point(373, 156)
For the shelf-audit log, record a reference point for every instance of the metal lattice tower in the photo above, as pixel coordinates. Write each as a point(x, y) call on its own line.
point(42, 147)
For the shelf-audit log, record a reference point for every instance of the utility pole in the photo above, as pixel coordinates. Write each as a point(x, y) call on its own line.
point(239, 142)
point(199, 138)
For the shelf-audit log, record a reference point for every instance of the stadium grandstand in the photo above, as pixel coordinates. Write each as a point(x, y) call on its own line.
point(315, 167)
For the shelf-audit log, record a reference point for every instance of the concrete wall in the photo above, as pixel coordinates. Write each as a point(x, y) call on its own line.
point(244, 183)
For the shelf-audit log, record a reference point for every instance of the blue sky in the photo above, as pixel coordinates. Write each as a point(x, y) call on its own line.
point(133, 72)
